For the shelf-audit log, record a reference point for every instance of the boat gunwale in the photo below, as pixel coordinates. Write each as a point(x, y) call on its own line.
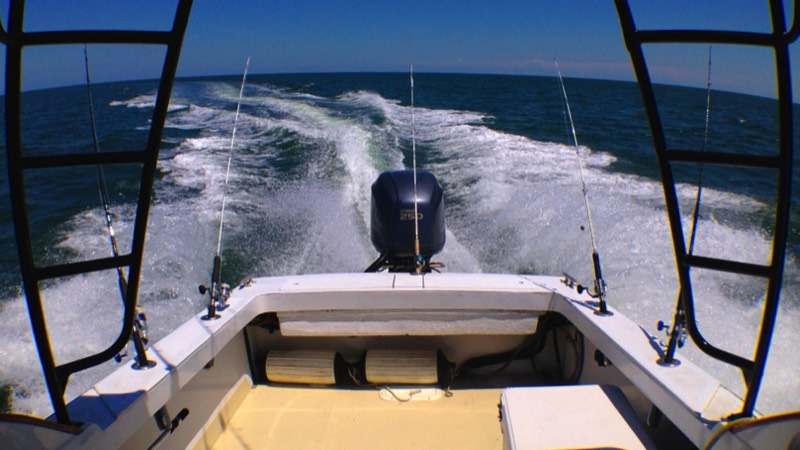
point(182, 354)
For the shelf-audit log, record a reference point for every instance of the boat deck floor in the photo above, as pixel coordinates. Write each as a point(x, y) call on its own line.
point(323, 418)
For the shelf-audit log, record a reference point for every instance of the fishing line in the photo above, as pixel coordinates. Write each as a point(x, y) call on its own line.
point(230, 157)
point(219, 292)
point(696, 209)
point(140, 321)
point(418, 260)
point(599, 284)
point(577, 151)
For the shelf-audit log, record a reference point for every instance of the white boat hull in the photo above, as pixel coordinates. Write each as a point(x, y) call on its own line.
point(203, 364)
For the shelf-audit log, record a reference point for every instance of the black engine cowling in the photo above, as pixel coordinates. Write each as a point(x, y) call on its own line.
point(392, 227)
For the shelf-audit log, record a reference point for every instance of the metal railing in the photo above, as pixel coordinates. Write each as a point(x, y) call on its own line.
point(16, 40)
point(778, 41)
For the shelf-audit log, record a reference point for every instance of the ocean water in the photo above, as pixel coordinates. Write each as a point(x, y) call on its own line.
point(308, 148)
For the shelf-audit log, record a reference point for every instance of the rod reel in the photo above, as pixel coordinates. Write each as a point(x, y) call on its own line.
point(218, 293)
point(140, 327)
point(597, 291)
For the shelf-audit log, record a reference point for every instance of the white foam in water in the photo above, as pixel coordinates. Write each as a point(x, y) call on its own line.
point(513, 205)
point(148, 101)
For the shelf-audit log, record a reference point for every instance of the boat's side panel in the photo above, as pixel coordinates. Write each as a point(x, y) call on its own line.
point(200, 396)
point(221, 419)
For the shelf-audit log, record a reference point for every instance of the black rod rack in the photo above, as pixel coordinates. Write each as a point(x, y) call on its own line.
point(778, 41)
point(16, 40)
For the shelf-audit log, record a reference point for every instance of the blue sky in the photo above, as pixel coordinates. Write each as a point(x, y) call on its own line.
point(513, 37)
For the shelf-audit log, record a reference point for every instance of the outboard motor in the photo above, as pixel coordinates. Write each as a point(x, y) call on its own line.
point(392, 227)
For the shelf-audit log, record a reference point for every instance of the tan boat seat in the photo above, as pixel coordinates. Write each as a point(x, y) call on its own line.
point(581, 416)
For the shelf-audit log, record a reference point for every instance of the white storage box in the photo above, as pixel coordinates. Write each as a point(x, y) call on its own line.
point(582, 416)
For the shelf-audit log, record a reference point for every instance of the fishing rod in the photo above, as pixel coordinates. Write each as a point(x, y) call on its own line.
point(419, 261)
point(599, 284)
point(677, 332)
point(219, 292)
point(139, 335)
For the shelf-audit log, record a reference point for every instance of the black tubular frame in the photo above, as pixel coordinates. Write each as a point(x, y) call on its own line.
point(778, 41)
point(15, 40)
